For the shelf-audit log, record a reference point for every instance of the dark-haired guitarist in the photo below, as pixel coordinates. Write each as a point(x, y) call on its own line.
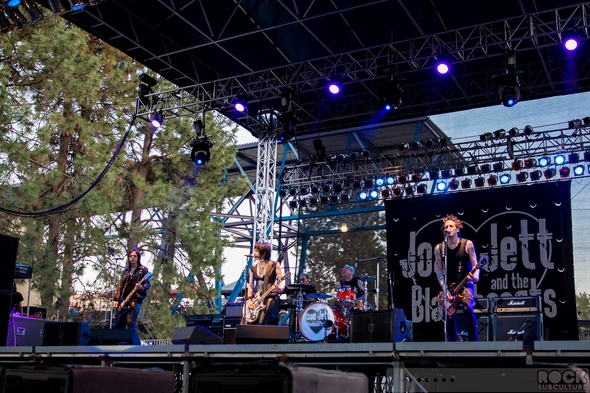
point(132, 280)
point(461, 259)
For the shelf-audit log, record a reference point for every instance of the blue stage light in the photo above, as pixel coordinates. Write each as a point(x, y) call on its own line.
point(505, 178)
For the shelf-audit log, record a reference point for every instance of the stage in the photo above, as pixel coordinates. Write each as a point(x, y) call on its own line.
point(388, 366)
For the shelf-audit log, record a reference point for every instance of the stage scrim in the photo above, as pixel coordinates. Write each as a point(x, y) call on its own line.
point(525, 231)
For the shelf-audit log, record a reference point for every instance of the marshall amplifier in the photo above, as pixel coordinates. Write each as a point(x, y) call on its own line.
point(518, 327)
point(212, 322)
point(517, 304)
point(483, 305)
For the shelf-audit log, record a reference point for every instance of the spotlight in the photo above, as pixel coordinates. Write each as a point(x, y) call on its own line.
point(379, 182)
point(544, 161)
point(509, 95)
point(403, 146)
point(334, 87)
point(337, 188)
point(416, 144)
point(341, 158)
point(344, 197)
point(303, 191)
point(587, 156)
point(433, 174)
point(564, 172)
point(485, 168)
point(283, 193)
point(374, 194)
point(505, 178)
point(492, 180)
point(573, 158)
point(445, 174)
point(454, 184)
point(516, 165)
point(397, 191)
point(472, 170)
point(575, 123)
point(530, 163)
point(486, 136)
point(443, 66)
point(32, 10)
point(288, 126)
point(528, 130)
point(550, 173)
point(77, 5)
point(409, 189)
point(302, 203)
point(416, 177)
point(391, 95)
point(326, 188)
point(293, 204)
point(385, 194)
point(522, 177)
point(324, 199)
point(13, 3)
point(240, 104)
point(333, 198)
point(354, 156)
point(559, 159)
point(479, 181)
point(442, 141)
point(498, 166)
point(368, 183)
point(343, 227)
point(390, 180)
point(466, 183)
point(363, 195)
point(428, 142)
point(421, 188)
point(402, 179)
point(356, 185)
point(500, 133)
point(570, 40)
point(513, 131)
point(201, 153)
point(459, 171)
point(579, 170)
point(315, 190)
point(293, 191)
point(441, 185)
point(536, 175)
point(366, 154)
point(157, 120)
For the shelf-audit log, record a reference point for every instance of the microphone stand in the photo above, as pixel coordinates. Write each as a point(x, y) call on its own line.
point(390, 282)
point(446, 270)
point(517, 334)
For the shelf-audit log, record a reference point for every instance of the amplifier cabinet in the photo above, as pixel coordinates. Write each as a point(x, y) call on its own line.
point(212, 322)
point(379, 326)
point(527, 328)
point(483, 305)
point(517, 304)
point(484, 326)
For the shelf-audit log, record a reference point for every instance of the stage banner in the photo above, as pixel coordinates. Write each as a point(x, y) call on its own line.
point(525, 231)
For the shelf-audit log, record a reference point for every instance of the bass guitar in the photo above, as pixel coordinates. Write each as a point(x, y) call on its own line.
point(458, 296)
point(123, 307)
point(255, 305)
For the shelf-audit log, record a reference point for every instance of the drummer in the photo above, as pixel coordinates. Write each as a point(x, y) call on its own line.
point(304, 279)
point(353, 282)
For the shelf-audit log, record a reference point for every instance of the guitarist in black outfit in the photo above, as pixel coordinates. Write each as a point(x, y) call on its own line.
point(132, 279)
point(264, 275)
point(461, 259)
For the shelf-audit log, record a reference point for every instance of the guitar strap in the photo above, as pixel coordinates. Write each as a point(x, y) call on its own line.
point(270, 267)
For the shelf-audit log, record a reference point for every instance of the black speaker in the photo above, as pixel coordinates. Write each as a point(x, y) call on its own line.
point(195, 335)
point(9, 247)
point(484, 326)
point(66, 333)
point(518, 327)
point(5, 305)
point(114, 337)
point(262, 334)
point(379, 326)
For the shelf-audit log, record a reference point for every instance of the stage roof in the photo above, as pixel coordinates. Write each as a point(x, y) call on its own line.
point(262, 50)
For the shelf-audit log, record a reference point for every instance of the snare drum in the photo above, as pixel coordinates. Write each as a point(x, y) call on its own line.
point(346, 295)
point(313, 321)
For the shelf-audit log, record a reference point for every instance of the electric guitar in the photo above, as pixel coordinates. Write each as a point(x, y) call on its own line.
point(453, 304)
point(254, 306)
point(123, 305)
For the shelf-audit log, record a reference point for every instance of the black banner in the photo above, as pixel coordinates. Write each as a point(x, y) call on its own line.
point(525, 232)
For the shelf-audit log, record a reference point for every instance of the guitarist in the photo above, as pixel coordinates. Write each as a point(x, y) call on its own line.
point(461, 258)
point(264, 274)
point(131, 281)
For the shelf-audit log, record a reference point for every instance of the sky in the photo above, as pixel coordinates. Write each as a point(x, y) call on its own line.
point(544, 115)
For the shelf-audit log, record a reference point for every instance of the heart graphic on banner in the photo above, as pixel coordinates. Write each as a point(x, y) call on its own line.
point(315, 320)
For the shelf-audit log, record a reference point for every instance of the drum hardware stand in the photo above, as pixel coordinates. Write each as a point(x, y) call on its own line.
point(328, 324)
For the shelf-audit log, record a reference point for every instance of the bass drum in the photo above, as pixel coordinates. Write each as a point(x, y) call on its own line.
point(313, 321)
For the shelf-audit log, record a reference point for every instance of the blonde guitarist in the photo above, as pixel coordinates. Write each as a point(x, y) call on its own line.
point(461, 259)
point(132, 283)
point(264, 275)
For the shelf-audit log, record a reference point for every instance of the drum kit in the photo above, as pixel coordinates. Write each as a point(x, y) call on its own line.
point(316, 320)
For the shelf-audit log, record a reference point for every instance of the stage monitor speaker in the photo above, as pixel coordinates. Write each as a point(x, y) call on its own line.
point(271, 378)
point(113, 337)
point(262, 334)
point(86, 379)
point(379, 326)
point(229, 336)
point(25, 331)
point(5, 306)
point(195, 334)
point(484, 327)
point(66, 333)
point(9, 247)
point(518, 327)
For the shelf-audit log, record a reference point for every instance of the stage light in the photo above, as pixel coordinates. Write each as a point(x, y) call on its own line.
point(293, 204)
point(416, 177)
point(587, 156)
point(466, 183)
point(409, 189)
point(354, 156)
point(536, 175)
point(288, 126)
point(303, 191)
point(324, 199)
point(421, 188)
point(498, 166)
point(500, 133)
point(441, 185)
point(485, 168)
point(433, 174)
point(445, 174)
point(313, 201)
point(368, 183)
point(292, 191)
point(550, 173)
point(334, 87)
point(330, 159)
point(374, 194)
point(514, 131)
point(442, 65)
point(315, 190)
point(509, 95)
point(326, 188)
point(385, 194)
point(333, 198)
point(13, 3)
point(366, 154)
point(343, 227)
point(403, 146)
point(283, 193)
point(530, 163)
point(337, 187)
point(575, 123)
point(564, 172)
point(402, 179)
point(579, 170)
point(544, 161)
point(356, 185)
point(522, 177)
point(302, 203)
point(390, 94)
point(341, 158)
point(344, 197)
point(428, 142)
point(459, 172)
point(415, 144)
point(492, 180)
point(442, 141)
point(77, 5)
point(573, 158)
point(32, 10)
point(157, 119)
point(390, 180)
point(570, 40)
point(379, 182)
point(16, 17)
point(486, 136)
point(397, 191)
point(240, 105)
point(559, 159)
point(516, 165)
point(528, 130)
point(472, 170)
point(479, 181)
point(505, 178)
point(454, 184)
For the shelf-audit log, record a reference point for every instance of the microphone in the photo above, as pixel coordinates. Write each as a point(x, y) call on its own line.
point(249, 255)
point(447, 233)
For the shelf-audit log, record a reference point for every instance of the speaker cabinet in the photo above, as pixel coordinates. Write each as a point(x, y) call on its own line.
point(25, 331)
point(195, 335)
point(379, 326)
point(484, 326)
point(66, 333)
point(9, 247)
point(518, 327)
point(86, 379)
point(262, 334)
point(271, 378)
point(229, 336)
point(113, 337)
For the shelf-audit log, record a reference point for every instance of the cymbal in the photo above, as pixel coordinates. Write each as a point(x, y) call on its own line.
point(369, 278)
point(291, 288)
point(318, 295)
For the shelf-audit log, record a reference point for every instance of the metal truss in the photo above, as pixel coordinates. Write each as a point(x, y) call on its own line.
point(265, 188)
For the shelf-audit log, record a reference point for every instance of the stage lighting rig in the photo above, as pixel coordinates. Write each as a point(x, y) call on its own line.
point(508, 82)
point(201, 153)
